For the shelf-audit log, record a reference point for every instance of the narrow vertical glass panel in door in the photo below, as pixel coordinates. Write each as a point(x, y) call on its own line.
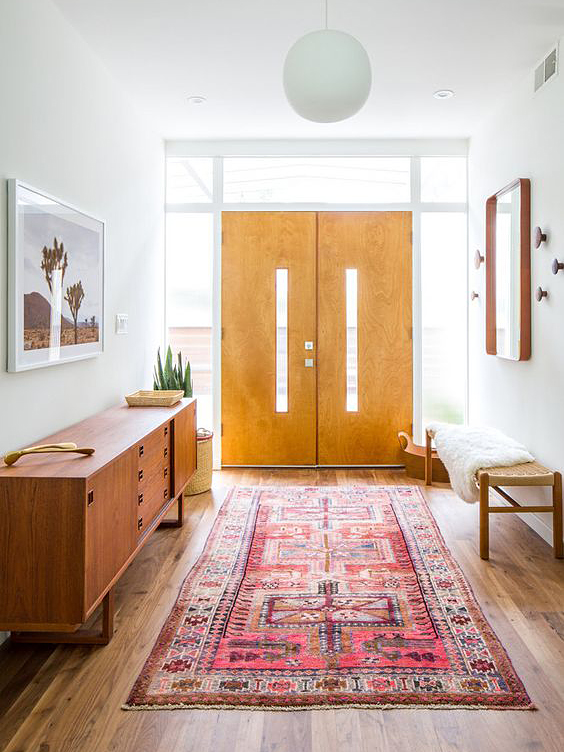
point(281, 340)
point(351, 291)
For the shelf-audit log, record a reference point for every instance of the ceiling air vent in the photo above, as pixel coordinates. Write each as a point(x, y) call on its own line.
point(547, 69)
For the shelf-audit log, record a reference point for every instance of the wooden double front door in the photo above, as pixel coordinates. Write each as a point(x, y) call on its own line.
point(316, 337)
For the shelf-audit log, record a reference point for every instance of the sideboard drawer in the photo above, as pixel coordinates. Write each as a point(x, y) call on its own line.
point(153, 478)
point(150, 508)
point(152, 454)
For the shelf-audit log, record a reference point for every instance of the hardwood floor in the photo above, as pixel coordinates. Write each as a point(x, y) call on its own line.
point(68, 698)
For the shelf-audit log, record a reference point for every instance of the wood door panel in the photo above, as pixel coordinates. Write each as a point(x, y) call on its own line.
point(111, 522)
point(44, 522)
point(184, 446)
point(378, 245)
point(255, 244)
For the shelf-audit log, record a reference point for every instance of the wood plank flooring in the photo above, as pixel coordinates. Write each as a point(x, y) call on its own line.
point(66, 699)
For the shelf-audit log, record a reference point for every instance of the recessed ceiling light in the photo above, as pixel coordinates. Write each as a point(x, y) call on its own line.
point(444, 94)
point(196, 100)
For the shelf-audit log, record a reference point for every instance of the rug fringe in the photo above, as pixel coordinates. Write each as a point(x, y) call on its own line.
point(347, 706)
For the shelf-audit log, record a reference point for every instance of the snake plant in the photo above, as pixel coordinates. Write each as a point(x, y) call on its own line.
point(172, 376)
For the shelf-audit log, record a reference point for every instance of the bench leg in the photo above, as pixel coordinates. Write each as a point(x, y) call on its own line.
point(428, 460)
point(484, 516)
point(557, 516)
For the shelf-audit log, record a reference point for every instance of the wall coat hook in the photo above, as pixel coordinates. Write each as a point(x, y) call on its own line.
point(557, 266)
point(474, 295)
point(539, 237)
point(478, 259)
point(540, 294)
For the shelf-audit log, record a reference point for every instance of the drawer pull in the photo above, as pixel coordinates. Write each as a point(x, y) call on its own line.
point(139, 523)
point(166, 452)
point(140, 499)
point(141, 450)
point(165, 472)
point(166, 431)
point(90, 497)
point(140, 474)
point(165, 493)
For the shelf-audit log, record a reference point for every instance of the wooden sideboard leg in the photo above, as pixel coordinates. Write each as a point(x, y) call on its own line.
point(179, 521)
point(81, 636)
point(428, 460)
point(108, 611)
point(484, 516)
point(557, 516)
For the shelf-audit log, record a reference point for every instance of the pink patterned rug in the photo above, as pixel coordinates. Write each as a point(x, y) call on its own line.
point(326, 597)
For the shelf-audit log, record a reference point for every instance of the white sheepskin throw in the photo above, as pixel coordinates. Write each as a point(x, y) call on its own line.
point(465, 449)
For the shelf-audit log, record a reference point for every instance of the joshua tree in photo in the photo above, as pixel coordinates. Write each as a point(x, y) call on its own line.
point(74, 297)
point(54, 258)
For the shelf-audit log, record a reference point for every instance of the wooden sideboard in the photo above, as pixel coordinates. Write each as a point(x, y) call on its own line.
point(71, 524)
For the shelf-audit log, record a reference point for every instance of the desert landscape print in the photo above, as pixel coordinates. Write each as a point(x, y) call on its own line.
point(62, 294)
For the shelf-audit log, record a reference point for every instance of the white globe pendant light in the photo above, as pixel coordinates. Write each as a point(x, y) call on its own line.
point(327, 75)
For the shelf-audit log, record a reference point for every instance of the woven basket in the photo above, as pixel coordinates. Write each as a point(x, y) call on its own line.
point(202, 478)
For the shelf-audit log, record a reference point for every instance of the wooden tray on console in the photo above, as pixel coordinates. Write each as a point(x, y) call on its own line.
point(153, 398)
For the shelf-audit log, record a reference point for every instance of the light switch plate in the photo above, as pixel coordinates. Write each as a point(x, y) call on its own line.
point(122, 323)
point(308, 345)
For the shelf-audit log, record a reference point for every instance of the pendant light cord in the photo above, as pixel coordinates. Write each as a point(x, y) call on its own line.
point(326, 14)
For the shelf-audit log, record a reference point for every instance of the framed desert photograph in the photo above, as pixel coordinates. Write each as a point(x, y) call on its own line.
point(55, 280)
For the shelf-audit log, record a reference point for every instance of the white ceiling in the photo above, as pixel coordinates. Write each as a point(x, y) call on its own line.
point(232, 52)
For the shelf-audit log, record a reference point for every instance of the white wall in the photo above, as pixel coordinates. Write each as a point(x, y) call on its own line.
point(524, 138)
point(66, 128)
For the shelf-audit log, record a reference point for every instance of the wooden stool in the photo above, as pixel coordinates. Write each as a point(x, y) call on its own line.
point(526, 474)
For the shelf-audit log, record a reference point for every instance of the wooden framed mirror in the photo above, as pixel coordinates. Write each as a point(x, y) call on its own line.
point(508, 271)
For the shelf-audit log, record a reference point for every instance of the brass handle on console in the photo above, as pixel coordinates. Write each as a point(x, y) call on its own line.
point(13, 457)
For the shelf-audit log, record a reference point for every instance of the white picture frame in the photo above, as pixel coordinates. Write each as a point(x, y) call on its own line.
point(55, 280)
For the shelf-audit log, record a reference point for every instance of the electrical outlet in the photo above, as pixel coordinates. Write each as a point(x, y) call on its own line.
point(122, 322)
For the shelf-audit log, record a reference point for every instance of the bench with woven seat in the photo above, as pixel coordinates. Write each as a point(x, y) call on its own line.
point(525, 474)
